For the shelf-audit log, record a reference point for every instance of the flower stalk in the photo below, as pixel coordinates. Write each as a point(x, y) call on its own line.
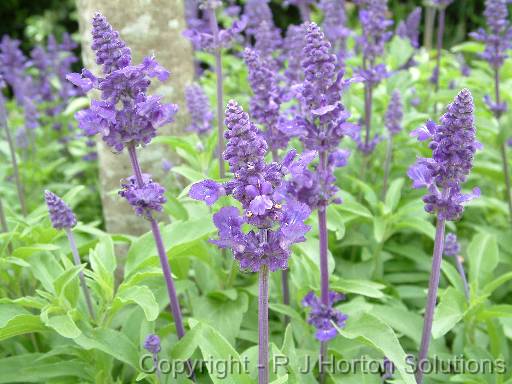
point(263, 331)
point(431, 296)
point(83, 285)
point(212, 17)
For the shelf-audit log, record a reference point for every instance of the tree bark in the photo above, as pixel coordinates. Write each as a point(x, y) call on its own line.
point(149, 27)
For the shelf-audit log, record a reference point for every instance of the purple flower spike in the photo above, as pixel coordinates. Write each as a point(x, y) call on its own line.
point(257, 12)
point(207, 190)
point(199, 108)
point(61, 215)
point(453, 147)
point(111, 51)
point(144, 199)
point(125, 115)
point(323, 316)
point(451, 245)
point(152, 344)
point(409, 28)
point(499, 35)
point(394, 114)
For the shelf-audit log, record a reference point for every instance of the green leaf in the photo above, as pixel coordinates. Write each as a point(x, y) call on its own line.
point(113, 343)
point(24, 252)
point(483, 255)
point(75, 105)
point(355, 208)
point(37, 368)
point(359, 287)
point(379, 229)
point(63, 325)
point(449, 312)
point(140, 295)
point(393, 194)
point(400, 50)
point(15, 320)
point(372, 331)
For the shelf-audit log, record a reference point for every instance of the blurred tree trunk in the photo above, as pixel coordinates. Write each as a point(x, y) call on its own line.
point(148, 27)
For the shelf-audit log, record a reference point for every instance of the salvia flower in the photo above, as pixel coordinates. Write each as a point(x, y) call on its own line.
point(257, 12)
point(498, 37)
point(335, 20)
point(292, 48)
point(394, 114)
point(61, 215)
point(410, 27)
point(268, 40)
point(198, 106)
point(453, 145)
point(125, 115)
point(323, 316)
point(451, 245)
point(144, 199)
point(374, 22)
point(255, 185)
point(203, 40)
point(152, 344)
point(267, 98)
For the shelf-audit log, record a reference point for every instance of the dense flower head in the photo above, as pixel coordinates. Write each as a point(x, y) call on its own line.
point(257, 12)
point(152, 344)
point(110, 50)
point(202, 37)
point(323, 316)
point(293, 45)
point(125, 115)
point(324, 118)
point(366, 148)
point(266, 100)
point(374, 22)
point(453, 146)
point(145, 198)
point(198, 105)
point(268, 40)
point(410, 27)
point(61, 215)
point(394, 114)
point(335, 19)
point(12, 66)
point(278, 222)
point(498, 38)
point(42, 62)
point(451, 245)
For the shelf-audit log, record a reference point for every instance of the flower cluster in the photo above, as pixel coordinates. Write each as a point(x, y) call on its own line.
point(268, 40)
point(323, 316)
point(199, 109)
point(451, 245)
point(292, 48)
point(375, 33)
point(61, 215)
point(394, 114)
point(499, 35)
point(145, 198)
point(202, 38)
point(125, 115)
point(453, 147)
point(279, 223)
point(267, 98)
point(335, 20)
point(257, 12)
point(152, 344)
point(322, 122)
point(410, 27)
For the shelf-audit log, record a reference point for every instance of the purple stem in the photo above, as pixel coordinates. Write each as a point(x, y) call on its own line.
point(263, 369)
point(503, 146)
point(164, 262)
point(171, 290)
point(77, 261)
point(220, 94)
point(324, 265)
point(431, 296)
point(460, 269)
point(12, 150)
point(440, 34)
point(367, 112)
point(387, 166)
